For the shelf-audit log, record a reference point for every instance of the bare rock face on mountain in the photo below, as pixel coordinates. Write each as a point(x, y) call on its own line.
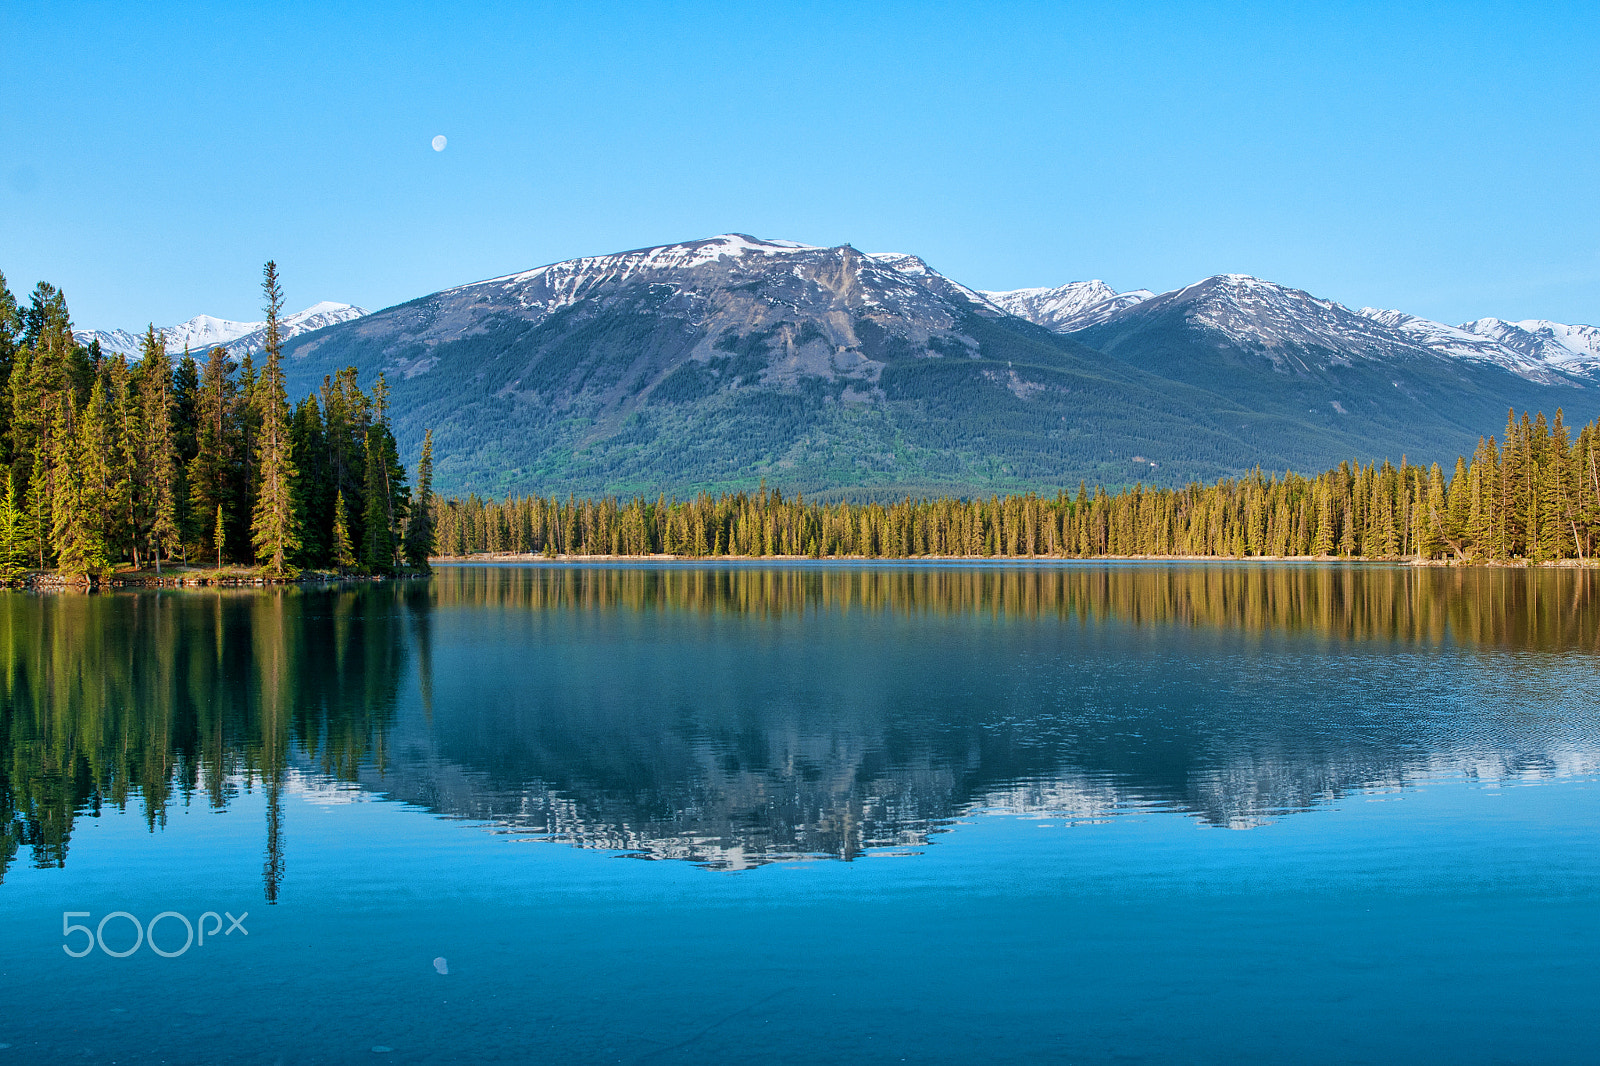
point(719, 363)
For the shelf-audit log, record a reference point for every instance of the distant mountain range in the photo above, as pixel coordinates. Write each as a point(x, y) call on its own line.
point(717, 363)
point(203, 332)
point(1249, 308)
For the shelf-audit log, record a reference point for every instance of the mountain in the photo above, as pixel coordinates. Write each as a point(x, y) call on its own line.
point(203, 332)
point(1575, 349)
point(1547, 352)
point(1418, 388)
point(1075, 305)
point(717, 363)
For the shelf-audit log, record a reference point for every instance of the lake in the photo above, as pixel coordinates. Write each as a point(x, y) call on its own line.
point(807, 813)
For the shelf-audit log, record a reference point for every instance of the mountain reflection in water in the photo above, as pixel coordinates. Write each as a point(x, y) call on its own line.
point(735, 715)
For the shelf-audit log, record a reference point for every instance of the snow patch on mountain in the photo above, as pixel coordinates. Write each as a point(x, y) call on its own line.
point(1075, 305)
point(1536, 350)
point(888, 283)
point(1541, 340)
point(621, 266)
point(204, 332)
point(1278, 318)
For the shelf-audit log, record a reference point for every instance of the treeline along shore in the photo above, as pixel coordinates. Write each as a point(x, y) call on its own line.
point(1532, 496)
point(110, 468)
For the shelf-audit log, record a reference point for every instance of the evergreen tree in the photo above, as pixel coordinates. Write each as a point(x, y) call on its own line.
point(343, 555)
point(1459, 511)
point(313, 492)
point(420, 539)
point(14, 538)
point(212, 475)
point(273, 529)
point(377, 552)
point(219, 535)
point(75, 532)
point(10, 336)
point(1434, 516)
point(387, 500)
point(158, 454)
point(185, 431)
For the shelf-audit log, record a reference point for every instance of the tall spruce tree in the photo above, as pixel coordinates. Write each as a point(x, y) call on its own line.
point(343, 555)
point(212, 477)
point(10, 335)
point(313, 494)
point(273, 528)
point(14, 539)
point(158, 454)
point(419, 539)
point(377, 551)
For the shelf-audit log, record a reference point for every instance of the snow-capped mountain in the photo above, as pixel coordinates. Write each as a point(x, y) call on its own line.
point(1283, 320)
point(1462, 343)
point(717, 362)
point(204, 332)
point(1570, 347)
point(1075, 305)
point(856, 303)
point(1290, 327)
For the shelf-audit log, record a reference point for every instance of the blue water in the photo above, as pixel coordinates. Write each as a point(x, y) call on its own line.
point(1090, 815)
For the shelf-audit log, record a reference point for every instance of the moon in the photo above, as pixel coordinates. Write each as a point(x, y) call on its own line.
point(439, 142)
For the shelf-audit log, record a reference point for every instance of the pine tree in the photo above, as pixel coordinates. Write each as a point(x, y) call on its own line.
point(273, 529)
point(102, 483)
point(377, 553)
point(10, 335)
point(14, 538)
point(185, 430)
point(158, 454)
point(1459, 511)
point(1433, 516)
point(313, 492)
point(419, 539)
point(1323, 542)
point(343, 554)
point(212, 475)
point(219, 535)
point(75, 533)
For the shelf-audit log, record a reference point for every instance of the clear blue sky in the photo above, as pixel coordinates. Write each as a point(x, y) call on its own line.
point(1441, 158)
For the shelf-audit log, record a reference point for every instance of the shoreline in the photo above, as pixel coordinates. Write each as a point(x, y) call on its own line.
point(49, 580)
point(1002, 560)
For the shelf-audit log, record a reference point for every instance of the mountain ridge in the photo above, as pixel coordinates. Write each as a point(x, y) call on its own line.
point(204, 332)
point(716, 363)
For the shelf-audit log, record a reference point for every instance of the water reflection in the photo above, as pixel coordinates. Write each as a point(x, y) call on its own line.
point(736, 715)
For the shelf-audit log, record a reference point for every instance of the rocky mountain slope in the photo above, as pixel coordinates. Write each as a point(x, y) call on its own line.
point(714, 364)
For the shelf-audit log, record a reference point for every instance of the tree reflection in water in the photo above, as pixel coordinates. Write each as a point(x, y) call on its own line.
point(733, 715)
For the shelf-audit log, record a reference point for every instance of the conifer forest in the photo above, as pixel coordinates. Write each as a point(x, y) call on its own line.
point(1532, 495)
point(107, 462)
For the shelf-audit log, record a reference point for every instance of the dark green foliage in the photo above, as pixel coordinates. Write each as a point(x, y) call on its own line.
point(118, 464)
point(313, 487)
point(419, 537)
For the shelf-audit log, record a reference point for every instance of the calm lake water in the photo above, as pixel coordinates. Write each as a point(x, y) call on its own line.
point(807, 813)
